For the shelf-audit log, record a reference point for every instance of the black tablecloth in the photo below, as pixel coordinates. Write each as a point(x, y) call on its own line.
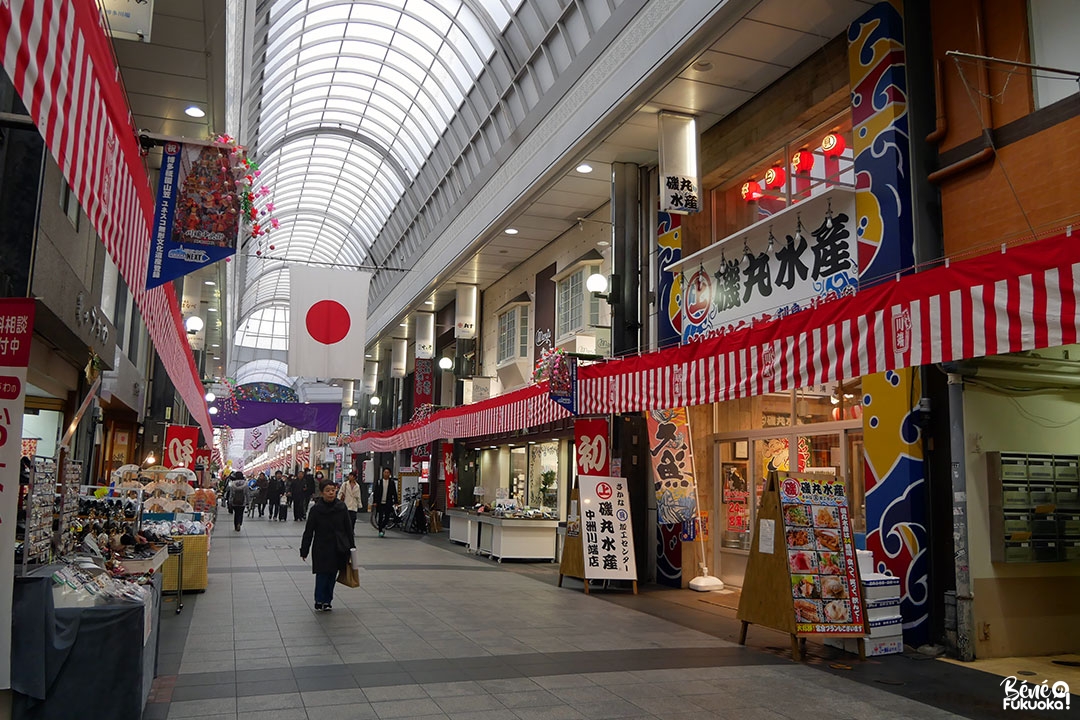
point(79, 662)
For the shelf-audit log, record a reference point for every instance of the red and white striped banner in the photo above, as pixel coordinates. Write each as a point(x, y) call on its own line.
point(1023, 299)
point(61, 62)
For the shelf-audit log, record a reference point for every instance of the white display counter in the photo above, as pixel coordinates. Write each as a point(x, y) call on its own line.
point(503, 538)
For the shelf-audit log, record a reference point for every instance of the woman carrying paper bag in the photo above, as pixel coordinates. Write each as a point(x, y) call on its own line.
point(329, 536)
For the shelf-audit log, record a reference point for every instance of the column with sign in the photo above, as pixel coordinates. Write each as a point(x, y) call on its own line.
point(16, 330)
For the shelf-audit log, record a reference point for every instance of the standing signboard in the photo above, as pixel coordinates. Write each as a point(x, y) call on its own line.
point(16, 330)
point(607, 534)
point(801, 576)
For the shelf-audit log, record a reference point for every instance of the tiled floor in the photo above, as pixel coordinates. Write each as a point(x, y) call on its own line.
point(431, 633)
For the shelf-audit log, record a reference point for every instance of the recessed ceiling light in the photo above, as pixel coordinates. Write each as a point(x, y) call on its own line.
point(404, 324)
point(584, 168)
point(702, 66)
point(194, 111)
point(511, 231)
point(602, 243)
point(211, 283)
point(215, 345)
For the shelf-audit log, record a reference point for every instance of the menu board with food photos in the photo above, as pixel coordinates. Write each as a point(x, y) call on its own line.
point(821, 555)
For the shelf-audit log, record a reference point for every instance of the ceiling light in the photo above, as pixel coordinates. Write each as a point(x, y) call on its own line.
point(584, 168)
point(213, 410)
point(210, 397)
point(194, 111)
point(404, 324)
point(374, 400)
point(446, 363)
point(215, 345)
point(193, 324)
point(352, 412)
point(511, 231)
point(702, 66)
point(367, 356)
point(211, 309)
point(602, 243)
point(211, 283)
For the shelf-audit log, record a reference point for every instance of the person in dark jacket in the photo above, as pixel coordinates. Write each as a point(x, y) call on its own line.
point(384, 496)
point(262, 493)
point(273, 494)
point(311, 485)
point(329, 536)
point(296, 489)
point(238, 498)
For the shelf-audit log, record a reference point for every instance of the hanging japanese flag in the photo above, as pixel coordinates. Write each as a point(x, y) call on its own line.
point(327, 319)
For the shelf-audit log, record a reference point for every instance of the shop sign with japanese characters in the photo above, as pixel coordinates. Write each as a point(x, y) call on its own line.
point(607, 535)
point(821, 555)
point(799, 258)
point(16, 330)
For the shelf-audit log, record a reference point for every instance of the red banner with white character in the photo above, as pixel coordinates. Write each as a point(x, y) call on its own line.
point(450, 474)
point(180, 444)
point(592, 447)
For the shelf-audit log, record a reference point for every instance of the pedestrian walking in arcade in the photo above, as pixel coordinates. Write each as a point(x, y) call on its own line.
point(350, 495)
point(299, 504)
point(274, 489)
point(329, 537)
point(238, 498)
point(384, 496)
point(310, 486)
point(262, 489)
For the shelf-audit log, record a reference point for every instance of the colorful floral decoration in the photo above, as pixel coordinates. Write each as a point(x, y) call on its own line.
point(552, 366)
point(424, 412)
point(249, 190)
point(266, 392)
point(230, 401)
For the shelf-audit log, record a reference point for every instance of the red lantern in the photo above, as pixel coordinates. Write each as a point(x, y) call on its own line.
point(833, 145)
point(750, 191)
point(802, 162)
point(775, 177)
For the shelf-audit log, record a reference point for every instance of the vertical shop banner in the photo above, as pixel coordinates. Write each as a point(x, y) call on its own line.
point(607, 533)
point(196, 213)
point(256, 438)
point(564, 383)
point(673, 465)
point(669, 284)
point(180, 444)
point(339, 465)
point(797, 259)
point(592, 447)
point(680, 185)
point(450, 474)
point(202, 458)
point(423, 392)
point(16, 330)
point(544, 310)
point(821, 555)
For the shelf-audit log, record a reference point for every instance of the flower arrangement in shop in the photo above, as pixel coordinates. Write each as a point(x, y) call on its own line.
point(350, 438)
point(249, 191)
point(552, 366)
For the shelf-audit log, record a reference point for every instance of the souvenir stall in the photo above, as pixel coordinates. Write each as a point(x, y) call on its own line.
point(92, 597)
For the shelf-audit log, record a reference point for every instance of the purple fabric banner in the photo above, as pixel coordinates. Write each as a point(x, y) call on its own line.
point(318, 417)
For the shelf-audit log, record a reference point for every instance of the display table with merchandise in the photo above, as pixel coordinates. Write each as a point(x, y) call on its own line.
point(80, 649)
point(463, 527)
point(506, 538)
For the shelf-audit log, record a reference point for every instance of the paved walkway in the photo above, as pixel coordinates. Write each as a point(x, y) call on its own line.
point(432, 633)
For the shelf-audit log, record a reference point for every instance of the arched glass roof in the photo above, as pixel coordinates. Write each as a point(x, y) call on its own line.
point(353, 97)
point(273, 371)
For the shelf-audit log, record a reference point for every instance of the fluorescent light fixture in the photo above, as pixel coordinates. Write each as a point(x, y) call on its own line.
point(194, 111)
point(211, 309)
point(211, 283)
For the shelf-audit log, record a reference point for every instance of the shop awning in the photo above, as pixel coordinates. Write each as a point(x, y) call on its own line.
point(1024, 298)
point(63, 68)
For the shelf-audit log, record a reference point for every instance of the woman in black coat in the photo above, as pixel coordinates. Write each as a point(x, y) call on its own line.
point(329, 537)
